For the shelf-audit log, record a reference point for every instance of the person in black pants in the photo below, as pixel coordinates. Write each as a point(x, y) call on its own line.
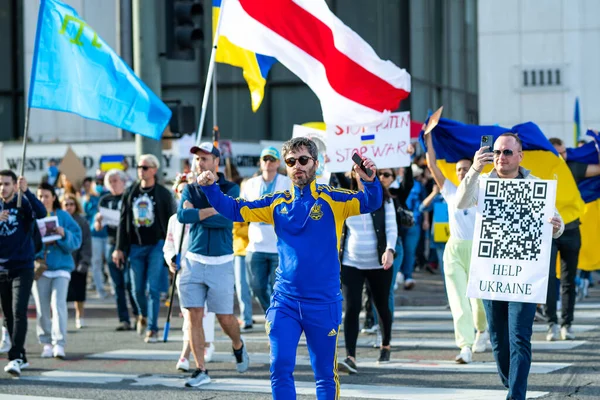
point(367, 254)
point(569, 245)
point(17, 252)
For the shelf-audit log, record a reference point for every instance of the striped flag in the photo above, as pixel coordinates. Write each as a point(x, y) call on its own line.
point(352, 83)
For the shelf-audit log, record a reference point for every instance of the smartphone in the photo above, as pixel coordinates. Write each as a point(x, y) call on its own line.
point(488, 140)
point(359, 161)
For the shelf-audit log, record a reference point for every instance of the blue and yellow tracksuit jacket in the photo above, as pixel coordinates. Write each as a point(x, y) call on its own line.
point(308, 223)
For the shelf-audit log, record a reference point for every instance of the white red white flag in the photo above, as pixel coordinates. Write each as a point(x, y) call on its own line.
point(353, 84)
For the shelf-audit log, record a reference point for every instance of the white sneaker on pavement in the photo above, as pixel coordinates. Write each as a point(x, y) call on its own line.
point(465, 356)
point(183, 364)
point(47, 351)
point(58, 352)
point(14, 367)
point(553, 333)
point(481, 339)
point(208, 352)
point(79, 323)
point(566, 333)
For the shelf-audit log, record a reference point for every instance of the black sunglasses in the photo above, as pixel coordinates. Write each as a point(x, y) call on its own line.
point(269, 158)
point(385, 174)
point(303, 160)
point(506, 152)
point(144, 167)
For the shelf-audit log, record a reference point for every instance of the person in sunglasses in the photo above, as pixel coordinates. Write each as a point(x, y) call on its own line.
point(510, 322)
point(261, 253)
point(468, 314)
point(145, 212)
point(308, 220)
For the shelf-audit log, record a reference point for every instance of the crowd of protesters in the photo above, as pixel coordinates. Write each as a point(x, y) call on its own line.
point(136, 255)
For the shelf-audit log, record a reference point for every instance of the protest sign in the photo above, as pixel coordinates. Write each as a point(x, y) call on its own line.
point(47, 227)
point(510, 258)
point(109, 217)
point(386, 143)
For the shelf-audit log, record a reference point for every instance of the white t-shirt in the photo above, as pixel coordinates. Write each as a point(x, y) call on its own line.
point(462, 222)
point(262, 237)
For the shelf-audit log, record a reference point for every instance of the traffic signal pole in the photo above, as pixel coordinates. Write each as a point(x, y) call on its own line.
point(146, 65)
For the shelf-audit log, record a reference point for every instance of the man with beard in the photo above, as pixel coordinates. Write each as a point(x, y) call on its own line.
point(308, 221)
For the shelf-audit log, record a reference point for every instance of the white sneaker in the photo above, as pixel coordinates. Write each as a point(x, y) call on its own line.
point(6, 343)
point(208, 352)
point(566, 333)
point(58, 352)
point(183, 364)
point(465, 356)
point(47, 351)
point(14, 367)
point(481, 339)
point(400, 278)
point(79, 323)
point(553, 333)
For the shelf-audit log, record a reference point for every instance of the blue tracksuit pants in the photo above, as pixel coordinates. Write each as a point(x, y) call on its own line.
point(285, 321)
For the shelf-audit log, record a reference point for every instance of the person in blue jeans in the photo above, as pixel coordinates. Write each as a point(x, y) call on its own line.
point(89, 203)
point(145, 212)
point(115, 181)
point(411, 235)
point(510, 322)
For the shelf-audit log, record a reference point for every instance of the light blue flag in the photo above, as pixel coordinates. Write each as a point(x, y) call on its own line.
point(75, 71)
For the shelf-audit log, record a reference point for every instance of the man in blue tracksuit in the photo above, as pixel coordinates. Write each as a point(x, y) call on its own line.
point(17, 252)
point(308, 221)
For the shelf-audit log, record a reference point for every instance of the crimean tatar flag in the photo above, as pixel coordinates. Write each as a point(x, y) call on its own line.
point(352, 83)
point(75, 71)
point(255, 66)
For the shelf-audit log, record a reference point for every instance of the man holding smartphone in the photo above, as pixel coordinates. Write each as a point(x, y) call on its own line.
point(308, 221)
point(510, 323)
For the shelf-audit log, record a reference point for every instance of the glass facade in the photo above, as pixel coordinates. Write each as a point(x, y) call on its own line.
point(443, 58)
point(11, 69)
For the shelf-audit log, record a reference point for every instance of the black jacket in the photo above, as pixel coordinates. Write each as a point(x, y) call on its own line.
point(165, 207)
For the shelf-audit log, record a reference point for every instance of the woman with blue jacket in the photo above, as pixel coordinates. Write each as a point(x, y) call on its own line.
point(54, 282)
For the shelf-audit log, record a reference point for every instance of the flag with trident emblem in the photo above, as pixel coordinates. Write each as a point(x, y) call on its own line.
point(75, 71)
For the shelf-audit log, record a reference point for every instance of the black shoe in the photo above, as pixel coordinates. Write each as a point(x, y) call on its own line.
point(347, 366)
point(384, 356)
point(246, 328)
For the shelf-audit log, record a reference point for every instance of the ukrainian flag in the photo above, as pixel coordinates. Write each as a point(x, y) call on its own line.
point(255, 66)
point(367, 139)
point(576, 123)
point(589, 256)
point(112, 161)
point(454, 141)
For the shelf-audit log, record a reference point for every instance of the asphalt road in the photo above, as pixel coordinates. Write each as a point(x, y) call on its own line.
point(104, 364)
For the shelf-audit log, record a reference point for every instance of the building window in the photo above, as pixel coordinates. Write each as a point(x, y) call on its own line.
point(541, 77)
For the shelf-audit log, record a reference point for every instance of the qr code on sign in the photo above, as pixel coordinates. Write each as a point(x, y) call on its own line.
point(512, 220)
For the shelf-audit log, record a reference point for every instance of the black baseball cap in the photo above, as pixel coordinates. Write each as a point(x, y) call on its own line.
point(206, 147)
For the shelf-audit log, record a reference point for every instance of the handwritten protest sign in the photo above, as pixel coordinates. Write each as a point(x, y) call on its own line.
point(510, 258)
point(385, 143)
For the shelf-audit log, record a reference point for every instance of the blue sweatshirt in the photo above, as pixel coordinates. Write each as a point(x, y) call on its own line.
point(213, 236)
point(308, 223)
point(59, 254)
point(16, 242)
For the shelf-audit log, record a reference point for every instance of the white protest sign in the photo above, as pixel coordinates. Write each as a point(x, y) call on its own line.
point(386, 144)
point(320, 138)
point(47, 227)
point(109, 217)
point(510, 258)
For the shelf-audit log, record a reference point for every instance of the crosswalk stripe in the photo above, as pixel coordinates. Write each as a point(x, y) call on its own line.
point(4, 396)
point(303, 360)
point(264, 386)
point(448, 344)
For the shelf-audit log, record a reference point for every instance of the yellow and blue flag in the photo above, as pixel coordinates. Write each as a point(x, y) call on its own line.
point(75, 71)
point(112, 161)
point(576, 123)
point(454, 141)
point(589, 256)
point(255, 66)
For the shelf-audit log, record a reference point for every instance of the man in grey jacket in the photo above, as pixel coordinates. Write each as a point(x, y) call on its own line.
point(510, 323)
